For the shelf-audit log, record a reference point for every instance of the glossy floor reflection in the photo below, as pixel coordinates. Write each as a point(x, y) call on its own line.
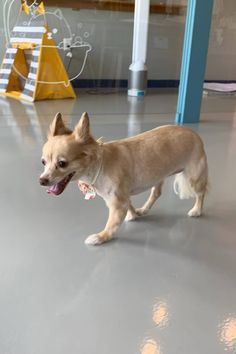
point(165, 285)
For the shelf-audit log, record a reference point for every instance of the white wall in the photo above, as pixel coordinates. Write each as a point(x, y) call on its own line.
point(110, 34)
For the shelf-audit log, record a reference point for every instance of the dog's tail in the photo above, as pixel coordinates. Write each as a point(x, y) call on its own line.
point(182, 186)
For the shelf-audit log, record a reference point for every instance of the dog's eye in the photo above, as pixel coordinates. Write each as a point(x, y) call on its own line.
point(43, 162)
point(62, 164)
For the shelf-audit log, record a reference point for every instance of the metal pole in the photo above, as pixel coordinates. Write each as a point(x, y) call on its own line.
point(138, 68)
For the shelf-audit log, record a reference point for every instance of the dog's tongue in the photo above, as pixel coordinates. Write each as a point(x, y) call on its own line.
point(56, 189)
point(59, 187)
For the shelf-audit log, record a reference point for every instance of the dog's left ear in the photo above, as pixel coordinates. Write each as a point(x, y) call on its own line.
point(82, 129)
point(58, 127)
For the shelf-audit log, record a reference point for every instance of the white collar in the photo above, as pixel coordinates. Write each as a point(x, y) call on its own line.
point(97, 173)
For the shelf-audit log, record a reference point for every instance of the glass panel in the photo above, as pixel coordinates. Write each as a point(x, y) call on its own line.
point(95, 43)
point(94, 40)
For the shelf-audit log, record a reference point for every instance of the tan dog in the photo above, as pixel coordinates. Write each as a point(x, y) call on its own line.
point(118, 169)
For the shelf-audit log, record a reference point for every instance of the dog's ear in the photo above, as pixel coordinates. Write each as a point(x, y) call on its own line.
point(82, 129)
point(58, 127)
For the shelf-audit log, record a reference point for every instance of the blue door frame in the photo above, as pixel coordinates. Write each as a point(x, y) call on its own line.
point(196, 40)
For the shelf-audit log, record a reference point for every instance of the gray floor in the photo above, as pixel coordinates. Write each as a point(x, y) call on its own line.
point(165, 285)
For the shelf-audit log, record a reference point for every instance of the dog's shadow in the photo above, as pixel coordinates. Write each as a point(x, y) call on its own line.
point(156, 228)
point(160, 230)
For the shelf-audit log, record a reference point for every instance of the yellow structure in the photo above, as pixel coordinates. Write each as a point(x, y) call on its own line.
point(32, 68)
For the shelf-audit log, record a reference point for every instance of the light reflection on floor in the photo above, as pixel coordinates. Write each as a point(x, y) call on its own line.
point(228, 334)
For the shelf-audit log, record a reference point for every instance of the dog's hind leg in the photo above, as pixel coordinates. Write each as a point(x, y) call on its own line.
point(199, 186)
point(154, 195)
point(197, 208)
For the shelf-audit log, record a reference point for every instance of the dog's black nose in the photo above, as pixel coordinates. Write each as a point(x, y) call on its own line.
point(43, 181)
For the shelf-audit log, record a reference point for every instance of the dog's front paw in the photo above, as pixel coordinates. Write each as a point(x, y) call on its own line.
point(93, 240)
point(194, 212)
point(130, 216)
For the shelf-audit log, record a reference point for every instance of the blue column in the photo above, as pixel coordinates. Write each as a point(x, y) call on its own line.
point(196, 39)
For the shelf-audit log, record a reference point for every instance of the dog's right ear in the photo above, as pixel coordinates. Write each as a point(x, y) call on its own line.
point(82, 129)
point(58, 127)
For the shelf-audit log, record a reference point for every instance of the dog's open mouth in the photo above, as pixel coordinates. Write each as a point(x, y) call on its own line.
point(59, 187)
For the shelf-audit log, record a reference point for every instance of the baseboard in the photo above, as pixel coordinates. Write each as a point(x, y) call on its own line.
point(104, 83)
point(109, 83)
